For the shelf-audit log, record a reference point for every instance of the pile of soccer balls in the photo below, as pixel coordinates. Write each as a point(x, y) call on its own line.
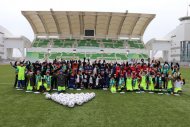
point(71, 100)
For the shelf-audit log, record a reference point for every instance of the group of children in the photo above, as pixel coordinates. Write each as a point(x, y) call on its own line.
point(118, 77)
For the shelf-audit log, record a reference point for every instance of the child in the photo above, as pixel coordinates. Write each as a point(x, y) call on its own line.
point(143, 85)
point(97, 83)
point(79, 80)
point(30, 81)
point(16, 73)
point(47, 81)
point(102, 81)
point(38, 80)
point(121, 84)
point(158, 82)
point(21, 75)
point(112, 85)
point(107, 80)
point(85, 80)
point(151, 83)
point(61, 81)
point(136, 82)
point(178, 86)
point(129, 83)
point(91, 81)
point(170, 85)
point(72, 79)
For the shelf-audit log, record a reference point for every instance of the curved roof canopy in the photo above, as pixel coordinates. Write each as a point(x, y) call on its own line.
point(73, 23)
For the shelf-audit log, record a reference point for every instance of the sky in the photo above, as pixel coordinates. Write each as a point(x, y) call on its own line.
point(167, 12)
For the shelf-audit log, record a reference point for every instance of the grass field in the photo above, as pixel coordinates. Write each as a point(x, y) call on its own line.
point(20, 109)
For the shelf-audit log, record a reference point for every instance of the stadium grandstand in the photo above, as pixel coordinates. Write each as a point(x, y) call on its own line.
point(94, 35)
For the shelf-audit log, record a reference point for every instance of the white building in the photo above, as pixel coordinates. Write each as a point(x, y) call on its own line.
point(8, 42)
point(175, 46)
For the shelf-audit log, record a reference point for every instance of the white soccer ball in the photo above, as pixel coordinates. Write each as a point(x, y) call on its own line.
point(79, 102)
point(48, 96)
point(71, 104)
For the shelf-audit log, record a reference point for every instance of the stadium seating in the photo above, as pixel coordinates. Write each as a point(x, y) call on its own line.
point(68, 43)
point(40, 43)
point(119, 44)
point(41, 56)
point(136, 44)
point(58, 43)
point(88, 43)
point(55, 55)
point(35, 44)
point(121, 56)
point(68, 56)
point(43, 43)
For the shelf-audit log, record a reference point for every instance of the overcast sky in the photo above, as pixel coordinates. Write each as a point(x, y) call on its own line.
point(167, 12)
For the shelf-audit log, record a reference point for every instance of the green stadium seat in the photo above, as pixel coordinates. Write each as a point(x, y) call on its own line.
point(68, 43)
point(141, 46)
point(80, 55)
point(58, 43)
point(96, 56)
point(133, 56)
point(108, 45)
point(121, 56)
point(82, 43)
point(43, 43)
point(55, 55)
point(111, 56)
point(41, 56)
point(106, 40)
point(94, 43)
point(35, 44)
point(136, 44)
point(145, 56)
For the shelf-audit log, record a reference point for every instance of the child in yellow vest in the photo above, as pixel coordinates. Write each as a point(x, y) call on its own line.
point(38, 80)
point(112, 85)
point(151, 83)
point(143, 84)
point(170, 86)
point(129, 81)
point(121, 83)
point(47, 81)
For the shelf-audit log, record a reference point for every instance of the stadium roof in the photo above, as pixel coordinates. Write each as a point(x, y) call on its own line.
point(68, 24)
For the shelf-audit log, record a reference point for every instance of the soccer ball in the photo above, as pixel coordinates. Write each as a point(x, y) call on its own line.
point(48, 96)
point(71, 104)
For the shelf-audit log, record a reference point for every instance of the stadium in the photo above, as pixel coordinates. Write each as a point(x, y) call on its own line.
point(93, 68)
point(94, 35)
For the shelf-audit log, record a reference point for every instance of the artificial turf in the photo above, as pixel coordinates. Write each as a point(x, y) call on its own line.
point(20, 109)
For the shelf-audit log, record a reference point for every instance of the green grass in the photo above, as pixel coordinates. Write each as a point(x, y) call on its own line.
point(20, 109)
